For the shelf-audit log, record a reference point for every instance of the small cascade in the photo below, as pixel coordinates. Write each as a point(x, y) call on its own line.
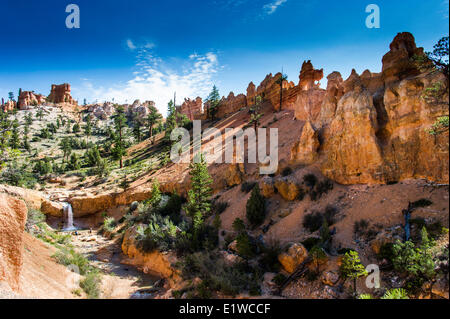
point(68, 213)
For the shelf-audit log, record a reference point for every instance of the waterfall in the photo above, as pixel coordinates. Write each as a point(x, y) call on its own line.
point(68, 213)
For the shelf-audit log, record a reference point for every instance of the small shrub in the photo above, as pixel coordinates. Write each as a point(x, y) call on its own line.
point(247, 187)
point(109, 224)
point(69, 257)
point(91, 285)
point(238, 225)
point(310, 180)
point(286, 171)
point(219, 207)
point(256, 208)
point(269, 259)
point(359, 227)
point(422, 203)
point(396, 294)
point(311, 242)
point(313, 221)
point(279, 279)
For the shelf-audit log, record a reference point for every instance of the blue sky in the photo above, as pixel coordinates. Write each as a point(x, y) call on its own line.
point(148, 49)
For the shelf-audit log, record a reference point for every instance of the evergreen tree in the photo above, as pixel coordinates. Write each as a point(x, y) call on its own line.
point(256, 208)
point(199, 201)
point(120, 122)
point(66, 147)
point(28, 119)
point(137, 125)
point(39, 114)
point(351, 268)
point(14, 141)
point(171, 121)
point(155, 200)
point(318, 256)
point(255, 112)
point(280, 81)
point(11, 96)
point(213, 101)
point(88, 127)
point(153, 118)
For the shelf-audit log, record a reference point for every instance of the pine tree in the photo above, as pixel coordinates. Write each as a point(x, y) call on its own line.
point(14, 141)
point(155, 200)
point(137, 125)
point(351, 268)
point(171, 121)
point(66, 147)
point(213, 101)
point(120, 123)
point(199, 196)
point(280, 81)
point(40, 114)
point(256, 207)
point(88, 127)
point(153, 118)
point(255, 111)
point(318, 256)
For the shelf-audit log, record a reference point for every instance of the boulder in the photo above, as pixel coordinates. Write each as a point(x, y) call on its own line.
point(294, 257)
point(52, 208)
point(287, 187)
point(329, 278)
point(267, 187)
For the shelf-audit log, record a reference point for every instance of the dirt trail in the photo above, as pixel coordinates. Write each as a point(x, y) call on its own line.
point(120, 281)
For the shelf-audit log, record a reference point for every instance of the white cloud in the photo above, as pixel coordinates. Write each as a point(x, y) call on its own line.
point(130, 45)
point(156, 81)
point(270, 8)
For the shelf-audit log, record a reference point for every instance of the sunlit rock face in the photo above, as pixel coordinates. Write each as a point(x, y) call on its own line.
point(378, 133)
point(29, 98)
point(61, 94)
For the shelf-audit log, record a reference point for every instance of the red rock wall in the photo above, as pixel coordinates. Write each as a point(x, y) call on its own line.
point(61, 94)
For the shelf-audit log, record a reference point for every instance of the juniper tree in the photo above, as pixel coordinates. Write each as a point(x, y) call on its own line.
point(318, 255)
point(199, 196)
point(39, 114)
point(88, 127)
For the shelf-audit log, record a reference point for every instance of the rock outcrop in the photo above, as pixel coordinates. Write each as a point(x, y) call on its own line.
point(8, 106)
point(157, 263)
point(61, 94)
point(378, 133)
point(13, 215)
point(231, 104)
point(294, 257)
point(29, 98)
point(193, 109)
point(305, 150)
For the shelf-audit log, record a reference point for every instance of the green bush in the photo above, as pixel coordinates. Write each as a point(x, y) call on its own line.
point(313, 221)
point(91, 284)
point(109, 224)
point(247, 187)
point(69, 257)
point(245, 246)
point(256, 208)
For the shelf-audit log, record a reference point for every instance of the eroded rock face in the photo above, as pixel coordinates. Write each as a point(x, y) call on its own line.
point(29, 98)
point(151, 263)
point(305, 150)
point(379, 130)
point(350, 144)
point(397, 64)
point(61, 94)
point(8, 105)
point(231, 104)
point(13, 215)
point(309, 76)
point(335, 90)
point(193, 109)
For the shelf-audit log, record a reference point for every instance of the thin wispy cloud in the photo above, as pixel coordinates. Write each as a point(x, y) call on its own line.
point(156, 81)
point(270, 8)
point(132, 45)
